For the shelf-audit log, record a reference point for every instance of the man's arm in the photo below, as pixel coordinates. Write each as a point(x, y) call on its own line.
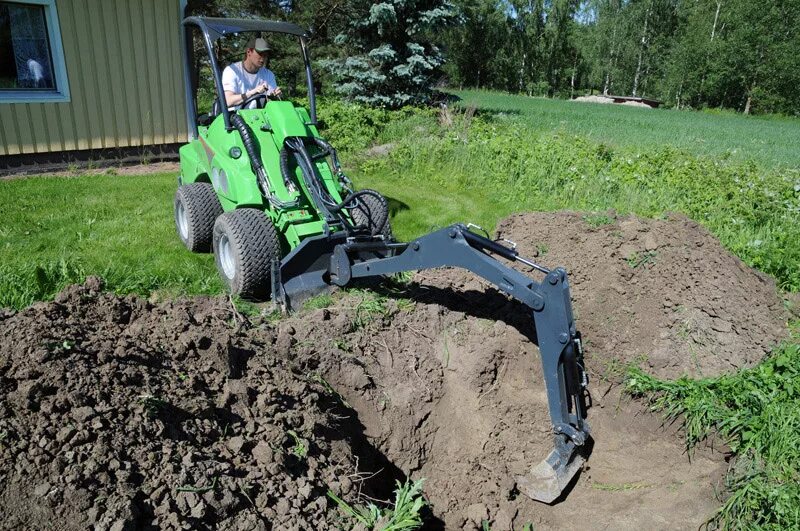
point(232, 87)
point(232, 98)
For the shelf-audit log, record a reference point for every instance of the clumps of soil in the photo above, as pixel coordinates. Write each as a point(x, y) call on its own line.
point(452, 389)
point(121, 414)
point(663, 292)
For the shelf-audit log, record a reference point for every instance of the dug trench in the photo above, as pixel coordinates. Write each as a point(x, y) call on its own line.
point(123, 413)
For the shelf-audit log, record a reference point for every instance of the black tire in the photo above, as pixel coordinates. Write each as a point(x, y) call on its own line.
point(372, 212)
point(196, 209)
point(245, 243)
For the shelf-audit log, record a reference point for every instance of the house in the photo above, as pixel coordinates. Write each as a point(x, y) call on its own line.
point(89, 79)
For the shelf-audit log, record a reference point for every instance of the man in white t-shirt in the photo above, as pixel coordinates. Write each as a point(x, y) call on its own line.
point(248, 77)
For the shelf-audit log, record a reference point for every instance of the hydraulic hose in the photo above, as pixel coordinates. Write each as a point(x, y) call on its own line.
point(332, 211)
point(249, 141)
point(320, 195)
point(328, 149)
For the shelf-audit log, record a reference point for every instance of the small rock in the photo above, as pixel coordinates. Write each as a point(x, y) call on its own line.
point(65, 434)
point(477, 512)
point(650, 243)
point(42, 489)
point(262, 453)
point(199, 510)
point(283, 507)
point(235, 444)
point(83, 414)
point(92, 514)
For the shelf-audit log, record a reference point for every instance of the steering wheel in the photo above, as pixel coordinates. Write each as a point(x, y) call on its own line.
point(255, 97)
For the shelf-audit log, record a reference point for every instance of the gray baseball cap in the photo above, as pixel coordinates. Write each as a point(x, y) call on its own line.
point(258, 44)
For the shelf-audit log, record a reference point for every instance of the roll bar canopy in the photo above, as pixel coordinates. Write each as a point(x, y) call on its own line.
point(212, 29)
point(219, 27)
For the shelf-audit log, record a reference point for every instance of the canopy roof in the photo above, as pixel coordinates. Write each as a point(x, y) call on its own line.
point(219, 27)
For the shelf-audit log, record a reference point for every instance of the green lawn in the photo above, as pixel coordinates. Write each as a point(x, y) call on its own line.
point(57, 230)
point(769, 141)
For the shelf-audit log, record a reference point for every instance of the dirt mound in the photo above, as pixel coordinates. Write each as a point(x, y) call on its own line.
point(118, 412)
point(661, 291)
point(451, 390)
point(121, 414)
point(594, 99)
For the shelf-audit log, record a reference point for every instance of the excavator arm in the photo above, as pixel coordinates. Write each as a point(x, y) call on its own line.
point(337, 259)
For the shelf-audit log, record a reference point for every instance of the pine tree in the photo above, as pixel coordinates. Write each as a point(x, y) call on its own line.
point(388, 56)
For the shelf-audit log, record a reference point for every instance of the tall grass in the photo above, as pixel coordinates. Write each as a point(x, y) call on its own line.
point(756, 411)
point(755, 212)
point(56, 231)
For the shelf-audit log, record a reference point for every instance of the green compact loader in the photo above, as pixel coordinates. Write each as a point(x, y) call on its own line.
point(261, 189)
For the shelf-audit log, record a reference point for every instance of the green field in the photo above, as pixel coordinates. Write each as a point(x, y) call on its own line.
point(58, 230)
point(724, 135)
point(480, 169)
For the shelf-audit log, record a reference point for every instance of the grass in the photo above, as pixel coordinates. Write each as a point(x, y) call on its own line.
point(480, 169)
point(58, 230)
point(756, 411)
point(769, 141)
point(404, 514)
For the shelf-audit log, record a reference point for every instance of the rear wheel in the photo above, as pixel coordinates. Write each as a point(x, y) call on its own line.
point(372, 212)
point(196, 209)
point(245, 244)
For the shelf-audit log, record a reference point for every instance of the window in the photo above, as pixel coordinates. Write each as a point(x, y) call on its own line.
point(31, 58)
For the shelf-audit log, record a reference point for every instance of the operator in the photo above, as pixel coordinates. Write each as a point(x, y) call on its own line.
point(249, 77)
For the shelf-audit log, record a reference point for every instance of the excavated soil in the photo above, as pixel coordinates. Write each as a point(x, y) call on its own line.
point(122, 413)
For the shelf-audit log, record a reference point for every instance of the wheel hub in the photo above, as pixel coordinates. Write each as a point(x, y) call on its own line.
point(226, 258)
point(183, 223)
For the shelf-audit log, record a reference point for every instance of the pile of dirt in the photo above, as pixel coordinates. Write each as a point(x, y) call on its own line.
point(639, 104)
point(593, 99)
point(118, 412)
point(452, 389)
point(664, 291)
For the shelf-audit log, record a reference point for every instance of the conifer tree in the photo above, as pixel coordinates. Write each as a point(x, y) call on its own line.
point(388, 58)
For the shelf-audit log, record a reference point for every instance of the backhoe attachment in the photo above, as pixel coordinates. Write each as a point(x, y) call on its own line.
point(336, 259)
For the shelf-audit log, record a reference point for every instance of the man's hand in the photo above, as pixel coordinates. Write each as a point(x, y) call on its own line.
point(262, 88)
point(275, 92)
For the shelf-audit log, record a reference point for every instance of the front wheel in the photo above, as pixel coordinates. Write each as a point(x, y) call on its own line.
point(245, 244)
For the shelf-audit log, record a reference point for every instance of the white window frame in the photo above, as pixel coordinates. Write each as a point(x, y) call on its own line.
point(61, 92)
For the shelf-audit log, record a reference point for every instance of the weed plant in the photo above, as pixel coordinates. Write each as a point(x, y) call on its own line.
point(405, 513)
point(756, 411)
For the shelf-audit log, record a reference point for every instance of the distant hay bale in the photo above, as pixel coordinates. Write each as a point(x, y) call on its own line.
point(594, 99)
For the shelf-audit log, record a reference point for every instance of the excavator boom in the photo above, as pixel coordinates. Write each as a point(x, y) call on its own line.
point(337, 259)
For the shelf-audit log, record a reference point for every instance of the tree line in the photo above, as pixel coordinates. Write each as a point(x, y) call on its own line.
point(735, 54)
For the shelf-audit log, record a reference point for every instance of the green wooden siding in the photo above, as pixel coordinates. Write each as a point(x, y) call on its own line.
point(123, 61)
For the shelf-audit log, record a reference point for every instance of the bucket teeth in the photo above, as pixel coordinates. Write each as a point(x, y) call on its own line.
point(546, 481)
